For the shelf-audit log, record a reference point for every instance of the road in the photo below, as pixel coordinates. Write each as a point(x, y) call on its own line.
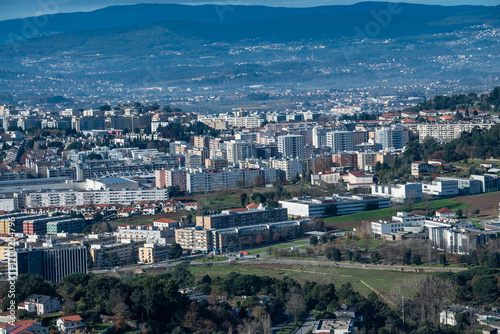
point(306, 326)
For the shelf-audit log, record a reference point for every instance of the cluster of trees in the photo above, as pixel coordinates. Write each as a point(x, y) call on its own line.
point(268, 199)
point(156, 300)
point(486, 102)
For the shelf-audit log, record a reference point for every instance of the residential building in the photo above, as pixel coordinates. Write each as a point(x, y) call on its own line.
point(394, 137)
point(146, 233)
point(72, 225)
point(239, 150)
point(194, 238)
point(340, 141)
point(329, 177)
point(450, 315)
point(171, 178)
point(444, 132)
point(291, 146)
point(113, 254)
point(41, 304)
point(216, 163)
point(291, 167)
point(345, 159)
point(152, 253)
point(242, 217)
point(70, 324)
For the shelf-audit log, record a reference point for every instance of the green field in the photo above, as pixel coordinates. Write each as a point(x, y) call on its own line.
point(279, 246)
point(388, 212)
point(381, 280)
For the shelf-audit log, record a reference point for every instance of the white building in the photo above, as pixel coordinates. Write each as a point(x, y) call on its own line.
point(150, 234)
point(329, 177)
point(394, 137)
point(291, 167)
point(291, 146)
point(444, 132)
point(340, 141)
point(399, 193)
point(333, 206)
point(77, 198)
point(440, 189)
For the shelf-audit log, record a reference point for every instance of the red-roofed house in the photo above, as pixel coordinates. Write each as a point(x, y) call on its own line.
point(360, 179)
point(445, 213)
point(164, 223)
point(252, 206)
point(69, 324)
point(26, 328)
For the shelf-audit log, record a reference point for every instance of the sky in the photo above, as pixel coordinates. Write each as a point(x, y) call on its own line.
point(11, 9)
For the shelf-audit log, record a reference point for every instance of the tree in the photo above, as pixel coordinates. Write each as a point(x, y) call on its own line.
point(375, 257)
point(94, 156)
point(296, 306)
point(258, 181)
point(407, 257)
point(175, 251)
point(442, 259)
point(416, 259)
point(313, 240)
point(243, 199)
point(459, 213)
point(348, 255)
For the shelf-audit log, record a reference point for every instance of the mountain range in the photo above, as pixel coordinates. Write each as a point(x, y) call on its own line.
point(233, 45)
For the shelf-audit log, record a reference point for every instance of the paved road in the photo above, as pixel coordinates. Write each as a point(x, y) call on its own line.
point(306, 326)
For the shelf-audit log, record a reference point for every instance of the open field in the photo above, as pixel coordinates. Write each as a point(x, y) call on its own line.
point(380, 280)
point(356, 219)
point(486, 203)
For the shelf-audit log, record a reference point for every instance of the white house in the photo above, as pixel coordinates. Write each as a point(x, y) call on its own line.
point(40, 304)
point(69, 324)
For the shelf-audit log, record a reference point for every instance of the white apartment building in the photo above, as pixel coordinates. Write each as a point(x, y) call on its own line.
point(394, 137)
point(340, 141)
point(208, 181)
point(382, 227)
point(77, 198)
point(444, 132)
point(291, 146)
point(148, 234)
point(291, 167)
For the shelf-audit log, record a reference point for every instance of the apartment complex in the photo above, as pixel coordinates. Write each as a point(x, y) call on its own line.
point(242, 217)
point(237, 238)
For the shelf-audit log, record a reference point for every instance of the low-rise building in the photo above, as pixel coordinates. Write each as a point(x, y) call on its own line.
point(333, 206)
point(151, 253)
point(41, 304)
point(69, 324)
point(333, 326)
point(242, 217)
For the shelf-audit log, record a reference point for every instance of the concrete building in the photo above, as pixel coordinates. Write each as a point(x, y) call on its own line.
point(458, 240)
point(115, 254)
point(52, 263)
point(152, 253)
point(291, 167)
point(333, 326)
point(394, 137)
point(146, 233)
point(333, 206)
point(340, 141)
point(399, 193)
point(444, 132)
point(111, 183)
point(171, 178)
point(77, 198)
point(239, 150)
point(329, 177)
point(291, 146)
point(216, 163)
point(441, 189)
point(242, 217)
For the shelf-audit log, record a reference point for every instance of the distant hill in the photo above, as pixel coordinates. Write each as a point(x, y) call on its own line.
point(230, 22)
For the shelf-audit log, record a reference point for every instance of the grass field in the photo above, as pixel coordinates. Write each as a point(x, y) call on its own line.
point(280, 246)
point(211, 259)
point(380, 280)
point(388, 212)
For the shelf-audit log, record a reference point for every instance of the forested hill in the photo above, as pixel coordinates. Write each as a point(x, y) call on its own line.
point(485, 102)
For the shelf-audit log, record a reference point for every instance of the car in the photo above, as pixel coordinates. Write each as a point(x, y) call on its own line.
point(106, 270)
point(364, 265)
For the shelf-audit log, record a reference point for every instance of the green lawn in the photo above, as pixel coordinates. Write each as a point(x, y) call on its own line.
point(290, 327)
point(278, 246)
point(382, 280)
point(388, 212)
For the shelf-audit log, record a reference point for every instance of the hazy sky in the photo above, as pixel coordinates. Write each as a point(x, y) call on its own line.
point(10, 9)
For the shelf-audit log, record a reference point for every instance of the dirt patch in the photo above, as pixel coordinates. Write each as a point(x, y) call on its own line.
point(486, 203)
